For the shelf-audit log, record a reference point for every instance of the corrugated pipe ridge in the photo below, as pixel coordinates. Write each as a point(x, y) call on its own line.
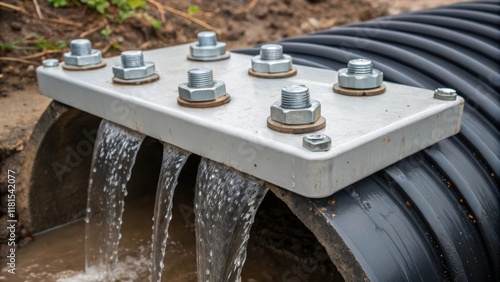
point(436, 214)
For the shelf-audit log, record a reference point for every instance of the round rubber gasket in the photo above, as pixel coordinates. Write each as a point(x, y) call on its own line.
point(359, 92)
point(224, 99)
point(209, 59)
point(298, 128)
point(83, 68)
point(289, 73)
point(149, 79)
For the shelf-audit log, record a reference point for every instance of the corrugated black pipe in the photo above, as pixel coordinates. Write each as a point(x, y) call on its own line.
point(434, 215)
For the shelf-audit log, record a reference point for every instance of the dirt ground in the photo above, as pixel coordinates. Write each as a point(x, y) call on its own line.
point(240, 23)
point(29, 35)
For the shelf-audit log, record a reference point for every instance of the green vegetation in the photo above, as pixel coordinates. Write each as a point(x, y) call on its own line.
point(193, 9)
point(118, 10)
point(32, 42)
point(106, 32)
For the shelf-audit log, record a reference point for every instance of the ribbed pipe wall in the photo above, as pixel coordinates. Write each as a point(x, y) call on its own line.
point(436, 214)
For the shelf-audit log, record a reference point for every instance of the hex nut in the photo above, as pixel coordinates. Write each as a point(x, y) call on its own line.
point(85, 60)
point(134, 73)
point(50, 63)
point(272, 66)
point(207, 51)
point(202, 94)
point(296, 116)
point(360, 81)
point(446, 94)
point(317, 142)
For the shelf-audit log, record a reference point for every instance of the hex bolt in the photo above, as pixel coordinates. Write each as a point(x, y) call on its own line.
point(360, 66)
point(133, 66)
point(132, 59)
point(201, 86)
point(317, 142)
point(295, 106)
point(271, 52)
point(360, 75)
point(207, 38)
point(82, 55)
point(201, 77)
point(207, 48)
point(80, 47)
point(271, 60)
point(295, 97)
point(446, 94)
point(50, 63)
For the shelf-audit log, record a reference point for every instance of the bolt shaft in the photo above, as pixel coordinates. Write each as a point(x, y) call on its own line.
point(207, 38)
point(360, 66)
point(295, 97)
point(271, 52)
point(80, 47)
point(200, 77)
point(132, 59)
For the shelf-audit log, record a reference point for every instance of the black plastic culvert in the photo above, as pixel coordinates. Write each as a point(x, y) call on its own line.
point(434, 215)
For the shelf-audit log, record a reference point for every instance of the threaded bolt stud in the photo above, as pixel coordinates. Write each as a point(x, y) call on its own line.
point(271, 52)
point(207, 38)
point(200, 78)
point(295, 97)
point(80, 47)
point(132, 59)
point(360, 66)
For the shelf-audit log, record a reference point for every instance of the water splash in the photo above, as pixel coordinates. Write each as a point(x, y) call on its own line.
point(114, 156)
point(225, 205)
point(131, 268)
point(173, 161)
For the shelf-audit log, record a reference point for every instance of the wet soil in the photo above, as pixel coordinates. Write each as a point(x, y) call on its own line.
point(241, 23)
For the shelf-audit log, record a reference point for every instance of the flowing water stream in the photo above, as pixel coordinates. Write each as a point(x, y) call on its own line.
point(173, 161)
point(225, 205)
point(114, 156)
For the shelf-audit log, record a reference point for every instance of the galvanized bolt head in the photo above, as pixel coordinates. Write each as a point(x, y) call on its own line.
point(50, 63)
point(271, 60)
point(446, 94)
point(317, 142)
point(201, 86)
point(295, 96)
point(132, 58)
point(207, 38)
point(296, 116)
point(271, 52)
point(82, 54)
point(359, 66)
point(200, 78)
point(80, 47)
point(295, 106)
point(207, 46)
point(202, 94)
point(133, 66)
point(360, 74)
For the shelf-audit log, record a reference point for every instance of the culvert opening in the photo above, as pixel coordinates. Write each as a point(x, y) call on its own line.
point(280, 248)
